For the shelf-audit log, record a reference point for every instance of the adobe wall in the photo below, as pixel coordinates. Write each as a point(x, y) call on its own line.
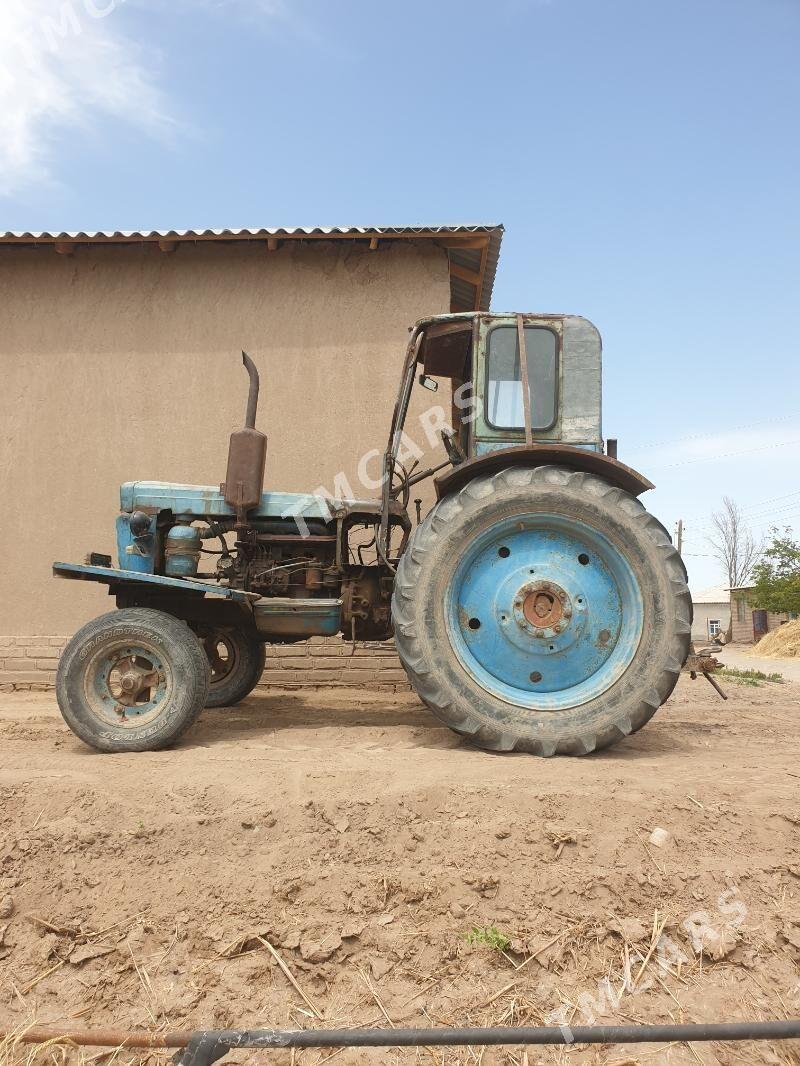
point(122, 363)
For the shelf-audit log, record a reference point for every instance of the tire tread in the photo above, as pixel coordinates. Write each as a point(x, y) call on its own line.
point(426, 683)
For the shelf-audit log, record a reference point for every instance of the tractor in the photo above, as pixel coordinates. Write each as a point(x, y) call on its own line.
point(537, 607)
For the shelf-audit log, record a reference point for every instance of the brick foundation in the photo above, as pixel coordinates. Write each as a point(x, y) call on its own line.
point(30, 663)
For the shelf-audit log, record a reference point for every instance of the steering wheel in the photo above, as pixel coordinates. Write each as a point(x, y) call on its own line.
point(455, 453)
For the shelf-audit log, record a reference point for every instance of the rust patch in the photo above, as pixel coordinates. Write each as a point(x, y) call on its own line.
point(542, 609)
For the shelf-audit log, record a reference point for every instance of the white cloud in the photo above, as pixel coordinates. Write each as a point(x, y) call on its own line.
point(67, 63)
point(64, 63)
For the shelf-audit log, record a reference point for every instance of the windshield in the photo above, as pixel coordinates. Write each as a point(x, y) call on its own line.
point(504, 400)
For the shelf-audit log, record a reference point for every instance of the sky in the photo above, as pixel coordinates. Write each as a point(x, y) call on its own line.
point(643, 156)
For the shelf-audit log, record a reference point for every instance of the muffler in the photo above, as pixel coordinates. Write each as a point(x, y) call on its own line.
point(247, 456)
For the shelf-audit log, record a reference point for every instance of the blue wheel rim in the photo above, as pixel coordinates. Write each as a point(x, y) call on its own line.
point(544, 611)
point(119, 662)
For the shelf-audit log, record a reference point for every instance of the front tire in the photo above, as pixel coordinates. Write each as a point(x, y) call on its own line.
point(132, 680)
point(542, 610)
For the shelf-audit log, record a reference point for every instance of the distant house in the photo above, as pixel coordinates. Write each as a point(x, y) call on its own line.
point(750, 623)
point(712, 613)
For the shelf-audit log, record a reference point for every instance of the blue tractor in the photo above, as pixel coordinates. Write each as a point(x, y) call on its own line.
point(537, 607)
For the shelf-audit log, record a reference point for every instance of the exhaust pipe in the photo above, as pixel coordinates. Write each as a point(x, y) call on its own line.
point(247, 456)
point(252, 396)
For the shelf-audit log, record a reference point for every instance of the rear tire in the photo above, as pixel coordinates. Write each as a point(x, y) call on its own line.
point(132, 680)
point(237, 663)
point(546, 568)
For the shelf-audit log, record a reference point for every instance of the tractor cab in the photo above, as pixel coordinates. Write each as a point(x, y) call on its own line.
point(522, 387)
point(513, 380)
point(488, 360)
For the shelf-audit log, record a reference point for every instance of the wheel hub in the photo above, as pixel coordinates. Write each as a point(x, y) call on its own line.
point(134, 679)
point(126, 684)
point(542, 608)
point(129, 683)
point(221, 653)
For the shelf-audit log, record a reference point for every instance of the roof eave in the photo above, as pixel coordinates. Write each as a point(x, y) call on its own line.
point(472, 250)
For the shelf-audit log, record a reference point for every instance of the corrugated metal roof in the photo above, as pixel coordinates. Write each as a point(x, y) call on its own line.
point(269, 231)
point(477, 263)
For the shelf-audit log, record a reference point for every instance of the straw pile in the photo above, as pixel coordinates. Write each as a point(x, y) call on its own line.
point(781, 643)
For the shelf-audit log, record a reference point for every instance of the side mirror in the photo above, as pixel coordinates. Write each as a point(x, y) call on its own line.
point(428, 383)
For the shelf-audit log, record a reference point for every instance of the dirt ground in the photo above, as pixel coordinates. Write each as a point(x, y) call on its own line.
point(404, 878)
point(742, 657)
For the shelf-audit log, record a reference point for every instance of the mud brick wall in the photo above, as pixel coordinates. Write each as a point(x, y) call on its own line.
point(30, 663)
point(326, 324)
point(324, 662)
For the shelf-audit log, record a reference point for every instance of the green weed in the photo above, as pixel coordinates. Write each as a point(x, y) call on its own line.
point(749, 677)
point(490, 936)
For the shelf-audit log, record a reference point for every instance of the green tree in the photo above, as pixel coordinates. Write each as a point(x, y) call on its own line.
point(777, 575)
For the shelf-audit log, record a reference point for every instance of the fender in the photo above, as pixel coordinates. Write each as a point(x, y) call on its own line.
point(120, 579)
point(617, 473)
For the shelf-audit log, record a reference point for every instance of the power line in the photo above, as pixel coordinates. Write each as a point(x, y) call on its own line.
point(771, 514)
point(707, 526)
point(730, 455)
point(703, 519)
point(772, 499)
point(784, 518)
point(761, 516)
point(707, 436)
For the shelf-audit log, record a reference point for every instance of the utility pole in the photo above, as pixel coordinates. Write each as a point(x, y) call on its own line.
point(678, 541)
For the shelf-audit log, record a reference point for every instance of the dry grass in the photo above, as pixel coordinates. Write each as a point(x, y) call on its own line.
point(15, 1052)
point(780, 643)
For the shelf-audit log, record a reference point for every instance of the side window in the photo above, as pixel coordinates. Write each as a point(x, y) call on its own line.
point(713, 627)
point(504, 407)
point(740, 609)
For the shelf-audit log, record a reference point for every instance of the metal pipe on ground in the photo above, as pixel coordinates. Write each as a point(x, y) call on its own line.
point(201, 1048)
point(115, 1038)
